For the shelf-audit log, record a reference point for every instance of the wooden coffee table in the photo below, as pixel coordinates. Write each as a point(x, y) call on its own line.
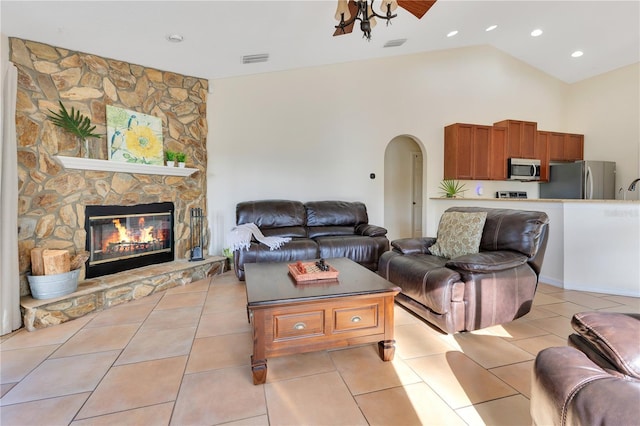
point(289, 317)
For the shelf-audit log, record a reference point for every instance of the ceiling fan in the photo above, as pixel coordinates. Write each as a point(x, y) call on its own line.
point(350, 11)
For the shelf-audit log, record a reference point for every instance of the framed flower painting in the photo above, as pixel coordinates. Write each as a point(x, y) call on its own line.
point(134, 137)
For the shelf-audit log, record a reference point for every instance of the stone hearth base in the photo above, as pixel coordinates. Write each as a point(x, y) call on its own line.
point(97, 294)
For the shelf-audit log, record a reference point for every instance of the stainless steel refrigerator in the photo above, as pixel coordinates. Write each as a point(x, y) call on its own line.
point(588, 180)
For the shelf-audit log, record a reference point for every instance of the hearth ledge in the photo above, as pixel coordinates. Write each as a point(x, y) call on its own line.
point(118, 166)
point(97, 294)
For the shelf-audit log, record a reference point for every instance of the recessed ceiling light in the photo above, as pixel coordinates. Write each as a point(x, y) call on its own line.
point(577, 53)
point(536, 32)
point(491, 28)
point(452, 33)
point(175, 38)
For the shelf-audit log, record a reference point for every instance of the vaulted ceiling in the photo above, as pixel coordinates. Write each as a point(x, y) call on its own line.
point(299, 33)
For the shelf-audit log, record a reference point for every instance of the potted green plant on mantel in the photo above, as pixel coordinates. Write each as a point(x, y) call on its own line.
point(74, 123)
point(452, 188)
point(170, 157)
point(181, 157)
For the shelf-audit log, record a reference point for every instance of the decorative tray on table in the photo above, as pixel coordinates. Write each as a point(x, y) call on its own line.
point(312, 271)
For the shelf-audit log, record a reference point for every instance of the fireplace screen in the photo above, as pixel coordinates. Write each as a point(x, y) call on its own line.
point(126, 237)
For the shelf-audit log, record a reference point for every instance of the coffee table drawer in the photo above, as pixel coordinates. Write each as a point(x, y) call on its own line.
point(356, 318)
point(304, 324)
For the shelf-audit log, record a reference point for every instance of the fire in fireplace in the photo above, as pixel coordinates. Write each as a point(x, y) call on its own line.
point(126, 237)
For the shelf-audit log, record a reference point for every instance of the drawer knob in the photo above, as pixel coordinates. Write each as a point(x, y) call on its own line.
point(356, 318)
point(299, 326)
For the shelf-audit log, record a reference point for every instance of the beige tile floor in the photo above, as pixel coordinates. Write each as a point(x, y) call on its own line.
point(182, 358)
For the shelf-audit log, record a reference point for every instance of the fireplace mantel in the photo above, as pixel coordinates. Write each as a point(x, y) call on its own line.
point(118, 166)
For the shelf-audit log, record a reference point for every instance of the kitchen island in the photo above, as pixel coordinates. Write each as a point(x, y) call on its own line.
point(594, 245)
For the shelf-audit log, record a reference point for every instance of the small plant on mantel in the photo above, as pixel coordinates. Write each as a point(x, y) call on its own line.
point(170, 156)
point(452, 188)
point(181, 157)
point(74, 123)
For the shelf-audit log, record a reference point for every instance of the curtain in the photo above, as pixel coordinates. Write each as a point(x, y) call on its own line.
point(9, 272)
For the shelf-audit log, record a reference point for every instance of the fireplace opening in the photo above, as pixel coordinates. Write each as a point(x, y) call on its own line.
point(127, 237)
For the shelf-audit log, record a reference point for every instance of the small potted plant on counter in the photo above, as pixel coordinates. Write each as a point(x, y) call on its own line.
point(181, 157)
point(452, 188)
point(170, 156)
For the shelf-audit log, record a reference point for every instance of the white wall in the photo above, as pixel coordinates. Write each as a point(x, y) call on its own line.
point(317, 133)
point(607, 108)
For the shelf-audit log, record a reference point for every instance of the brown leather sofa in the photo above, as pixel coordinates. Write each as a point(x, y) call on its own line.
point(473, 291)
point(593, 381)
point(318, 229)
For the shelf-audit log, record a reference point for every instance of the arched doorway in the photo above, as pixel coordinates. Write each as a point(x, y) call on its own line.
point(403, 182)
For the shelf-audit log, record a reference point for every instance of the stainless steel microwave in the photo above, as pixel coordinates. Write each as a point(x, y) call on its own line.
point(523, 169)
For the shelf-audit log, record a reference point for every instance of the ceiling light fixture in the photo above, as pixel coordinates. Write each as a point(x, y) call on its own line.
point(175, 38)
point(491, 28)
point(364, 14)
point(536, 32)
point(452, 33)
point(577, 54)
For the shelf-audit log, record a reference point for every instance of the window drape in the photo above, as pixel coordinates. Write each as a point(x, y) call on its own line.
point(9, 272)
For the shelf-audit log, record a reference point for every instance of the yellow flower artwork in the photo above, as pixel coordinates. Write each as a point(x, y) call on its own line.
point(134, 137)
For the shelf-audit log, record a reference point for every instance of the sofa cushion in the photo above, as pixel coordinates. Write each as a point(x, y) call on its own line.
point(356, 247)
point(458, 234)
point(487, 261)
point(271, 213)
point(324, 231)
point(285, 231)
point(335, 213)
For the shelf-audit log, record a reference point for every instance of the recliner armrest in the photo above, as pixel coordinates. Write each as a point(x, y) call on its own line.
point(487, 261)
point(370, 230)
point(413, 245)
point(612, 336)
point(559, 373)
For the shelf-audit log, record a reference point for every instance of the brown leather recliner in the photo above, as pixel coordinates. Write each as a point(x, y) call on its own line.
point(473, 291)
point(593, 381)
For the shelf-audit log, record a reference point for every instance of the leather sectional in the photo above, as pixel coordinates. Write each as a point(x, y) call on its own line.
point(318, 229)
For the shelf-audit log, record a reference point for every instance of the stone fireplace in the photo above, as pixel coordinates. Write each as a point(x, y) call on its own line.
point(55, 198)
point(120, 238)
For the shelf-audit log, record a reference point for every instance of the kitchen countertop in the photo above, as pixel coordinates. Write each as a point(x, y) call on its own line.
point(539, 200)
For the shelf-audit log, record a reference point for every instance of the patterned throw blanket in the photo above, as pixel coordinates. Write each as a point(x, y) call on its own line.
point(240, 237)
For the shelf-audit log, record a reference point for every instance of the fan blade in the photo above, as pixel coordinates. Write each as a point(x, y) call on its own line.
point(353, 10)
point(416, 7)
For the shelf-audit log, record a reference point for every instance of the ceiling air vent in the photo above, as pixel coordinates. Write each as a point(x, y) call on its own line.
point(395, 43)
point(252, 59)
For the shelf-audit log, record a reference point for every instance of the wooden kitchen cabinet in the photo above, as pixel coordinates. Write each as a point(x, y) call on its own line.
point(467, 151)
point(521, 138)
point(566, 147)
point(573, 147)
point(542, 149)
point(498, 154)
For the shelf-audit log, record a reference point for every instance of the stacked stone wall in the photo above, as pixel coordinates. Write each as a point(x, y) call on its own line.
point(51, 198)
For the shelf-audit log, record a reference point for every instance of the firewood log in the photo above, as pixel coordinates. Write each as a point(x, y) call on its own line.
point(56, 261)
point(37, 266)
